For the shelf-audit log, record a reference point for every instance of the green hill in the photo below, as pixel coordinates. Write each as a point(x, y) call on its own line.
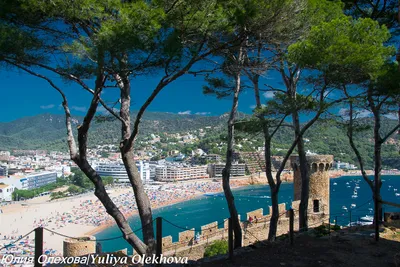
point(47, 131)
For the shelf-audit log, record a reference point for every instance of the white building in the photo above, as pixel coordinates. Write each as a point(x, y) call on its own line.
point(178, 173)
point(118, 171)
point(344, 165)
point(6, 192)
point(61, 170)
point(40, 179)
point(215, 170)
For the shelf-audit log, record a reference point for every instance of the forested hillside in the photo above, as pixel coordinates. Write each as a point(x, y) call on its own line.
point(47, 131)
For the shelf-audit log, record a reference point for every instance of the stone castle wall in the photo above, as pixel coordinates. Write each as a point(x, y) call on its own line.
point(75, 248)
point(252, 232)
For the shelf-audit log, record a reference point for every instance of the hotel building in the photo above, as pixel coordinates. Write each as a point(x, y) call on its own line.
point(178, 173)
point(215, 170)
point(118, 171)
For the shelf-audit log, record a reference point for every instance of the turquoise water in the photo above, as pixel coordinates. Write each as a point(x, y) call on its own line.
point(206, 209)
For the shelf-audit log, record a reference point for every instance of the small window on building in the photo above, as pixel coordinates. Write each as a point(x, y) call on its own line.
point(316, 205)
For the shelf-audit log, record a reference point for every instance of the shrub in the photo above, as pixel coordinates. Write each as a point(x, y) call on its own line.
point(216, 248)
point(321, 230)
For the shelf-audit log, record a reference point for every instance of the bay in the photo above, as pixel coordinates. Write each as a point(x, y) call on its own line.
point(206, 209)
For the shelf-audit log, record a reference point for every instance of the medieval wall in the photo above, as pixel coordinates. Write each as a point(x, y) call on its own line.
point(252, 232)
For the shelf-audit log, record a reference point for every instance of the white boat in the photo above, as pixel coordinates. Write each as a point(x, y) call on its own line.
point(359, 223)
point(354, 196)
point(353, 205)
point(397, 194)
point(348, 186)
point(357, 187)
point(367, 218)
point(347, 183)
point(395, 190)
point(344, 208)
point(334, 183)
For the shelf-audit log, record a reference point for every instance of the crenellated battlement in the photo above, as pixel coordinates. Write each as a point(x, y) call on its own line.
point(314, 162)
point(258, 227)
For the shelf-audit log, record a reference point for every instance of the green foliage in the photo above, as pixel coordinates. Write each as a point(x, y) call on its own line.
point(216, 248)
point(107, 180)
point(347, 50)
point(321, 230)
point(80, 179)
point(75, 190)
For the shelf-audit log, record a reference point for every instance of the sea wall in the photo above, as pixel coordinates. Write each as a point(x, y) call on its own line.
point(252, 232)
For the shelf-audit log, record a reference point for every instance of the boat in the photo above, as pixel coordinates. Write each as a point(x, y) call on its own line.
point(344, 208)
point(353, 205)
point(397, 194)
point(334, 183)
point(347, 183)
point(367, 218)
point(357, 187)
point(354, 196)
point(358, 223)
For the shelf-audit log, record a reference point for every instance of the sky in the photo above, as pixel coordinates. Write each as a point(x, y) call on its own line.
point(25, 95)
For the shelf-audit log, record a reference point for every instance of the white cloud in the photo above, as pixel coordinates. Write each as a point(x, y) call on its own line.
point(47, 106)
point(392, 116)
point(80, 109)
point(202, 113)
point(344, 112)
point(269, 94)
point(363, 113)
point(187, 112)
point(254, 106)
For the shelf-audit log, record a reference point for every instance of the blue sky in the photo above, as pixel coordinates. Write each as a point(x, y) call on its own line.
point(24, 95)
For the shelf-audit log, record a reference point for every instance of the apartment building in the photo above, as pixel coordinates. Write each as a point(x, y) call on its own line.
point(40, 179)
point(168, 173)
point(215, 170)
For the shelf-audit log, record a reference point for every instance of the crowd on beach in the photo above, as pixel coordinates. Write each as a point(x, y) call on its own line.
point(91, 212)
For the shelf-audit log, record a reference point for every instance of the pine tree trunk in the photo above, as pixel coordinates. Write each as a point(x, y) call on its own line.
point(273, 226)
point(111, 208)
point(303, 208)
point(141, 198)
point(142, 201)
point(229, 158)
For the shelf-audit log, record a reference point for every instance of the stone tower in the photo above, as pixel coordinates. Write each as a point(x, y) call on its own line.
point(318, 166)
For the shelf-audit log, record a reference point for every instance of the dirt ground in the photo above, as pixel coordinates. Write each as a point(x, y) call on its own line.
point(343, 248)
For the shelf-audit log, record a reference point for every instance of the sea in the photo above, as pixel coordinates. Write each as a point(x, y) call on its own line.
point(350, 200)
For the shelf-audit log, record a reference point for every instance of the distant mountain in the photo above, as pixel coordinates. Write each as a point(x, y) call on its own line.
point(47, 131)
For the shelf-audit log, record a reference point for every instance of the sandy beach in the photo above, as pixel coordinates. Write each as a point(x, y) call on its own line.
point(84, 215)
